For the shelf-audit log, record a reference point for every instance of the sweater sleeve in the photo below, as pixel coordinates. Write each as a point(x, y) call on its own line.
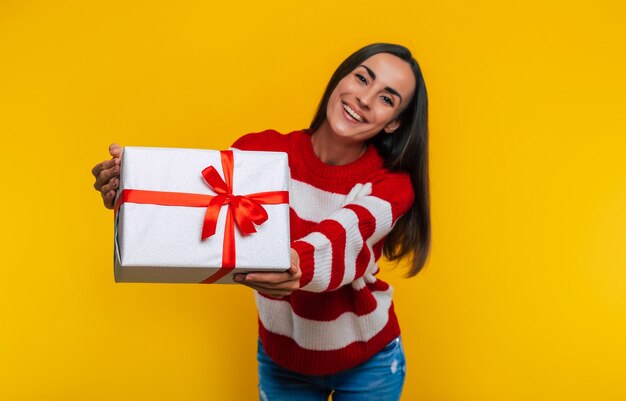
point(340, 249)
point(268, 140)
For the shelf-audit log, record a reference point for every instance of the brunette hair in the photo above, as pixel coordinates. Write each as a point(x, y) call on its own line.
point(406, 149)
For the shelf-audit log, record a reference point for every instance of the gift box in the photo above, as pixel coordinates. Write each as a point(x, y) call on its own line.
point(199, 216)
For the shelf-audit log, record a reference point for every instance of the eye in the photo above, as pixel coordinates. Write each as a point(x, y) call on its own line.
point(387, 100)
point(360, 78)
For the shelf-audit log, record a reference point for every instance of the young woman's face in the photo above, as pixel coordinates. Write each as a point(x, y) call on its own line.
point(370, 98)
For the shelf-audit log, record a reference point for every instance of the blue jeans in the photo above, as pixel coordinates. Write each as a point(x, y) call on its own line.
point(379, 378)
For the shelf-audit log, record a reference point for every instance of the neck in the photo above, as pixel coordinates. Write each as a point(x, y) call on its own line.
point(335, 151)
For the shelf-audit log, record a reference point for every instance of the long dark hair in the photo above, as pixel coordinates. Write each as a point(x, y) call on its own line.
point(406, 149)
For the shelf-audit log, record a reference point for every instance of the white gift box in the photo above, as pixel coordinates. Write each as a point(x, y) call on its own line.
point(163, 243)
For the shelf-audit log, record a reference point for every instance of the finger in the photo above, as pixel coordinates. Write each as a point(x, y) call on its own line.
point(105, 165)
point(112, 185)
point(105, 176)
point(270, 278)
point(294, 268)
point(115, 150)
point(108, 199)
point(289, 285)
point(276, 293)
point(97, 169)
point(280, 288)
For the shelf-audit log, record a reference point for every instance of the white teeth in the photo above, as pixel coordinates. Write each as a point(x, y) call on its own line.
point(352, 113)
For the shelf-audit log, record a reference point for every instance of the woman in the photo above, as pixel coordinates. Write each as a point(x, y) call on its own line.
point(359, 189)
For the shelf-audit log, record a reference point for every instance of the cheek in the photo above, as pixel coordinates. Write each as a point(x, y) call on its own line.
point(334, 96)
point(334, 102)
point(344, 86)
point(329, 106)
point(385, 116)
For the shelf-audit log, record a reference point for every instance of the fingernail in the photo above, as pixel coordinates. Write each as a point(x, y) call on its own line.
point(249, 277)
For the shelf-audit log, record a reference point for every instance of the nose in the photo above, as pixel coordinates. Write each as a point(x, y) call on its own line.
point(364, 98)
point(363, 102)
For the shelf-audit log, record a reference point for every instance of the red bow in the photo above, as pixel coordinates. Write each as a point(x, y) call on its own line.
point(244, 209)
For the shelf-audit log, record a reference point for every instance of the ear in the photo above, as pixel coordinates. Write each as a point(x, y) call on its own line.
point(392, 126)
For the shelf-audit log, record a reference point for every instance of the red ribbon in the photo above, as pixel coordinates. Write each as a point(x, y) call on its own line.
point(243, 210)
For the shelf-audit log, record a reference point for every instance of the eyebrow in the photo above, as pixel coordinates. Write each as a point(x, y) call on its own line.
point(373, 76)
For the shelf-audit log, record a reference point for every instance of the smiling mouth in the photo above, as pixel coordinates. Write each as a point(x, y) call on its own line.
point(353, 113)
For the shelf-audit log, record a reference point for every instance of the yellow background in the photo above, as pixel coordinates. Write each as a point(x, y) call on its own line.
point(524, 297)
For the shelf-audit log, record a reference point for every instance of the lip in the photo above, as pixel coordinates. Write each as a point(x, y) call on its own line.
point(349, 117)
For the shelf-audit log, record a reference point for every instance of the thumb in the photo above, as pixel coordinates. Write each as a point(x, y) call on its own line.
point(295, 262)
point(115, 150)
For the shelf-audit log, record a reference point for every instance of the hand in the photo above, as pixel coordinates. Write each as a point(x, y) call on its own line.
point(277, 284)
point(107, 176)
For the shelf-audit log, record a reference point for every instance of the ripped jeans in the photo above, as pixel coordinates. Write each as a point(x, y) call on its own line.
point(379, 378)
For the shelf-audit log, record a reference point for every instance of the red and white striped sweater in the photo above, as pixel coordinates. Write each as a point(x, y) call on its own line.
point(340, 215)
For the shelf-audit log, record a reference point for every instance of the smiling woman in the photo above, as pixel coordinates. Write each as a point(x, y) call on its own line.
point(359, 188)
